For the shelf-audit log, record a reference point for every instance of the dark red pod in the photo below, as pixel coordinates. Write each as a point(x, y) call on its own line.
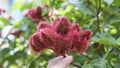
point(59, 46)
point(82, 45)
point(48, 37)
point(75, 27)
point(62, 25)
point(35, 42)
point(43, 25)
point(35, 14)
point(39, 13)
point(86, 34)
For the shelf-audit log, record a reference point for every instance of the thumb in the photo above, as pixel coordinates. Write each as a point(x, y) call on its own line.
point(68, 60)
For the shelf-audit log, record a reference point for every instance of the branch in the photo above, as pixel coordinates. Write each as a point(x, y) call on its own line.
point(86, 56)
point(108, 52)
point(76, 65)
point(34, 58)
point(98, 5)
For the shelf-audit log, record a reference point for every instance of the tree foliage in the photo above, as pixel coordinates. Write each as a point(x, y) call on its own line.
point(100, 16)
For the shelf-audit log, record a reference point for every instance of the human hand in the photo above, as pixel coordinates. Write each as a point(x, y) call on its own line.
point(60, 62)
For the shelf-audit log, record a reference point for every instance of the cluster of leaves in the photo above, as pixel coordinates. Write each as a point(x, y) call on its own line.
point(102, 19)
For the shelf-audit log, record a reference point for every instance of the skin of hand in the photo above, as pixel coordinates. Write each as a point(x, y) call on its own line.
point(60, 62)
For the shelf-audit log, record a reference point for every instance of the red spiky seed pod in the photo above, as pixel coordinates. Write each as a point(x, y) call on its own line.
point(75, 27)
point(35, 42)
point(62, 25)
point(82, 45)
point(39, 13)
point(59, 46)
point(48, 37)
point(86, 34)
point(35, 14)
point(43, 25)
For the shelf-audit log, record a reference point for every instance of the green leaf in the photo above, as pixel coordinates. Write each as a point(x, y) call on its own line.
point(69, 8)
point(4, 20)
point(36, 3)
point(116, 2)
point(80, 6)
point(3, 53)
point(108, 65)
point(99, 63)
point(112, 11)
point(1, 25)
point(118, 41)
point(45, 2)
point(17, 5)
point(87, 66)
point(13, 66)
point(26, 6)
point(116, 64)
point(104, 38)
point(109, 2)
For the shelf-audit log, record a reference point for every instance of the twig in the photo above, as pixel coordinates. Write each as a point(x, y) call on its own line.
point(98, 4)
point(86, 56)
point(88, 2)
point(76, 65)
point(34, 58)
point(108, 52)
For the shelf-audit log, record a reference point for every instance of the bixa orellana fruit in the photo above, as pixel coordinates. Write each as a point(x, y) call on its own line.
point(61, 36)
point(39, 13)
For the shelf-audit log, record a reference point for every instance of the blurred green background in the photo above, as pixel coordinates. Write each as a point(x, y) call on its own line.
point(101, 16)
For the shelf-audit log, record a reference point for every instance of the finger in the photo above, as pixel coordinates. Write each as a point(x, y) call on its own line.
point(67, 60)
point(56, 59)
